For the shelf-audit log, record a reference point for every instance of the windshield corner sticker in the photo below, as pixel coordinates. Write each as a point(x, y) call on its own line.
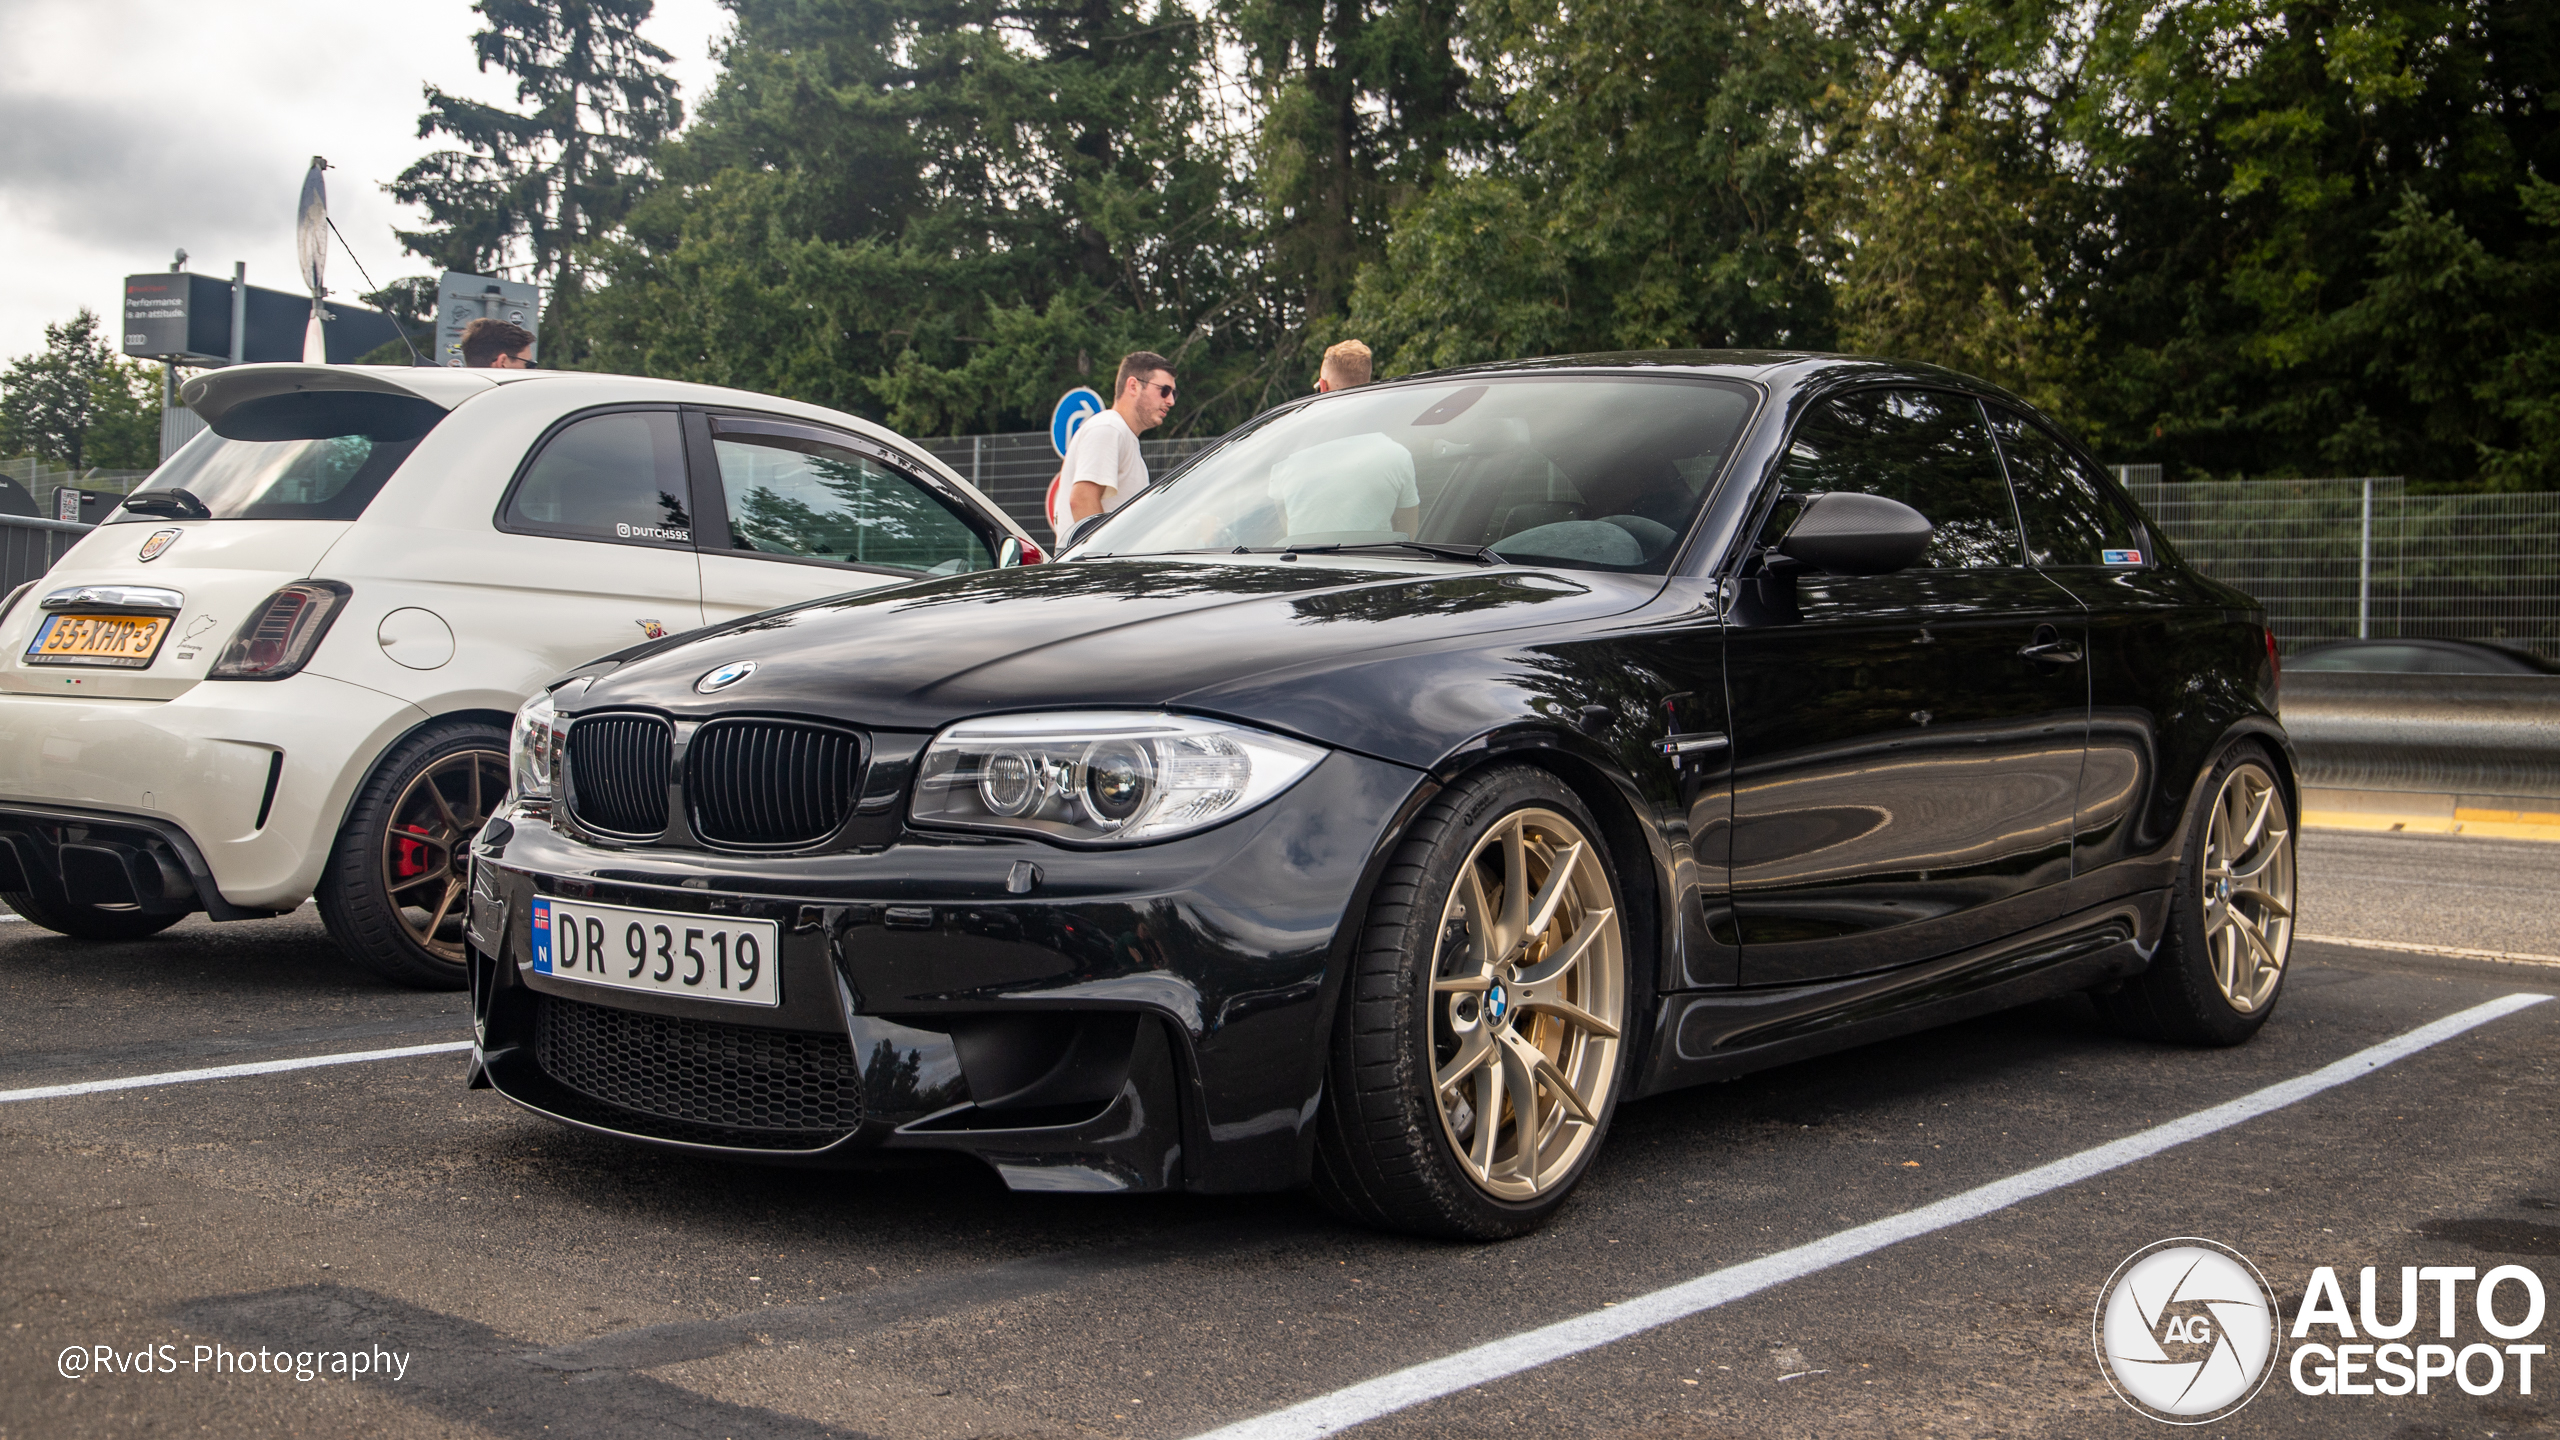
point(542, 937)
point(158, 543)
point(652, 629)
point(2120, 557)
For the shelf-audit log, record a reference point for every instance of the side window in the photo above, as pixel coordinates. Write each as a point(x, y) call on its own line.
point(812, 501)
point(617, 476)
point(1926, 449)
point(2072, 517)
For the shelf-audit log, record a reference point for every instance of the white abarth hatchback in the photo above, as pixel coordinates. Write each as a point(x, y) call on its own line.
point(285, 666)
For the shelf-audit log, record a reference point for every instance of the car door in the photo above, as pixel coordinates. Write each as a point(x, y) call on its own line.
point(795, 511)
point(2085, 535)
point(1906, 747)
point(594, 543)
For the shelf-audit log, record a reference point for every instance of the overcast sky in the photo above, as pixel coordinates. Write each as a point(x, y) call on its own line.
point(129, 128)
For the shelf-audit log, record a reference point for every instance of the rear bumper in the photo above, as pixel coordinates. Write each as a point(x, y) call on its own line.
point(84, 858)
point(244, 784)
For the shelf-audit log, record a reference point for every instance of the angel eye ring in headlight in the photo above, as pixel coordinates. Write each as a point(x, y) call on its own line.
point(1009, 783)
point(1102, 777)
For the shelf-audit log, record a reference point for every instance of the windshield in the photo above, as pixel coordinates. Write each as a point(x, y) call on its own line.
point(1583, 472)
point(306, 456)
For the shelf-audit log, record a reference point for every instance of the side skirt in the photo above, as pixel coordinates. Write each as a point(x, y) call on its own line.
point(1719, 1035)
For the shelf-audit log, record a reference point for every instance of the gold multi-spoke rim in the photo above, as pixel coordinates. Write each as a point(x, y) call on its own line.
point(1528, 996)
point(439, 812)
point(2248, 888)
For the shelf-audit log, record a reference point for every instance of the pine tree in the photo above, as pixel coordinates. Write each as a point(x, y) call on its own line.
point(548, 181)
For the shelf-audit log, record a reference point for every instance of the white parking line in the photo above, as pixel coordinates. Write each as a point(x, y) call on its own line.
point(227, 1072)
point(2503, 957)
point(1485, 1363)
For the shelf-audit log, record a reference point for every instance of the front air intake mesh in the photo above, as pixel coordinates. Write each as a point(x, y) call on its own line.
point(726, 1077)
point(770, 784)
point(618, 774)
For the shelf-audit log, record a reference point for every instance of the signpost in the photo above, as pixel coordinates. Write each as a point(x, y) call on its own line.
point(461, 299)
point(1074, 408)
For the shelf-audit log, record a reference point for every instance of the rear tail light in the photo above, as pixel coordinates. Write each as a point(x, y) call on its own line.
point(2275, 666)
point(280, 635)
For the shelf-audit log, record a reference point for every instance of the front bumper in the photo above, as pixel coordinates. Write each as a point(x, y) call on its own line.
point(200, 767)
point(1141, 1019)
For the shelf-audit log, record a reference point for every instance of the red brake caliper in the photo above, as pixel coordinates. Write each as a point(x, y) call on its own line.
point(409, 857)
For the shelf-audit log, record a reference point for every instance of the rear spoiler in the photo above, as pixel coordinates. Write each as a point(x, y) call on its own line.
point(213, 394)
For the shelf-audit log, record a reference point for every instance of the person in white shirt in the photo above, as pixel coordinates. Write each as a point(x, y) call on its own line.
point(1357, 484)
point(1104, 469)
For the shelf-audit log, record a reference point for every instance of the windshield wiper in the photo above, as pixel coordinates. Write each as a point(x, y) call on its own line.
point(173, 504)
point(1481, 554)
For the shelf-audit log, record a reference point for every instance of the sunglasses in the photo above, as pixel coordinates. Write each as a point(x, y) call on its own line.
point(1164, 390)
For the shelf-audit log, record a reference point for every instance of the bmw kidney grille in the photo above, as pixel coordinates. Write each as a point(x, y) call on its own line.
point(618, 768)
point(771, 784)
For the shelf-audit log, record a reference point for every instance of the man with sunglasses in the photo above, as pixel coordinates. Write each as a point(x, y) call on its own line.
point(1104, 468)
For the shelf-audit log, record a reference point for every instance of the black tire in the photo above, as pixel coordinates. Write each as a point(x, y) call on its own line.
point(1387, 1153)
point(2182, 998)
point(88, 922)
point(393, 824)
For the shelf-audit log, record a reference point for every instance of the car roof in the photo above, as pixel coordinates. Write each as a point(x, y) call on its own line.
point(1779, 370)
point(215, 393)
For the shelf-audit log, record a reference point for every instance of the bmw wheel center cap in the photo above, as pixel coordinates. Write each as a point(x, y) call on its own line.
point(1497, 1003)
point(724, 677)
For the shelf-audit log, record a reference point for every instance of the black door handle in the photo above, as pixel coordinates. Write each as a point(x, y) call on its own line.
point(2049, 648)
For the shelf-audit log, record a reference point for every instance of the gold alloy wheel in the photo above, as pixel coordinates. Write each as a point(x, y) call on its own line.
point(1528, 995)
point(2248, 887)
point(426, 845)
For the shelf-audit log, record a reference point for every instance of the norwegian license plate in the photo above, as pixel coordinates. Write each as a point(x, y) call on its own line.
point(128, 641)
point(699, 956)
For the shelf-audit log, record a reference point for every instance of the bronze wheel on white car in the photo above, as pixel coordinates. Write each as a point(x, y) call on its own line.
point(399, 880)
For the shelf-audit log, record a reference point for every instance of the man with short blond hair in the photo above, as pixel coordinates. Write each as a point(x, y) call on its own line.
point(1105, 469)
point(1345, 365)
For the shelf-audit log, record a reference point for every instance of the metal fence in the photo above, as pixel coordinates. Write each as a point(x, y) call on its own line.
point(28, 547)
point(2343, 559)
point(1014, 470)
point(41, 480)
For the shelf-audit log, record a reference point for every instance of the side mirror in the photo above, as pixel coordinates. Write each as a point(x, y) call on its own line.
point(1076, 534)
point(1009, 554)
point(1845, 533)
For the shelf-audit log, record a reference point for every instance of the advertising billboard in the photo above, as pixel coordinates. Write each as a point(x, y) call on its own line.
point(187, 318)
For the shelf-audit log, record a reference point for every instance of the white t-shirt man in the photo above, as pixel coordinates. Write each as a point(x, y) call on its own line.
point(1105, 451)
point(1356, 483)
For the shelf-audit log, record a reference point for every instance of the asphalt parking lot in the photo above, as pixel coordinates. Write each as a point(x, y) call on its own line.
point(539, 1282)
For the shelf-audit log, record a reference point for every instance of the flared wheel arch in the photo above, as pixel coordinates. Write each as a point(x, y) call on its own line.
point(1644, 879)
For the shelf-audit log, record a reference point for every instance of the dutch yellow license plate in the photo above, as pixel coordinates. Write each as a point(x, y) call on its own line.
point(125, 640)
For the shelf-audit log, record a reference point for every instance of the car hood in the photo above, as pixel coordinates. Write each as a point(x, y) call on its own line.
point(1201, 635)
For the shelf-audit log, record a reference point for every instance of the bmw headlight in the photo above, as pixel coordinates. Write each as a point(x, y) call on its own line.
point(533, 748)
point(1100, 776)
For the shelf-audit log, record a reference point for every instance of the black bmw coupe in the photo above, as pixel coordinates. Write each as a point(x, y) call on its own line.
point(1379, 802)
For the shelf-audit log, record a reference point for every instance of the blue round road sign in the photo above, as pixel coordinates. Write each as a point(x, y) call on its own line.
point(1074, 408)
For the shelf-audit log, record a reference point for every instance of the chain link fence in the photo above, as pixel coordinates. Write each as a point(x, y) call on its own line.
point(2344, 559)
point(1014, 470)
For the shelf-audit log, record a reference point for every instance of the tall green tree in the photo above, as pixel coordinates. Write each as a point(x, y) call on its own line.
point(1655, 195)
point(942, 212)
point(538, 185)
point(77, 403)
point(1362, 105)
point(2285, 184)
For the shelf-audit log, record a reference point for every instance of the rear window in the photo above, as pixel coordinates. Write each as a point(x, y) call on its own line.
point(314, 455)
